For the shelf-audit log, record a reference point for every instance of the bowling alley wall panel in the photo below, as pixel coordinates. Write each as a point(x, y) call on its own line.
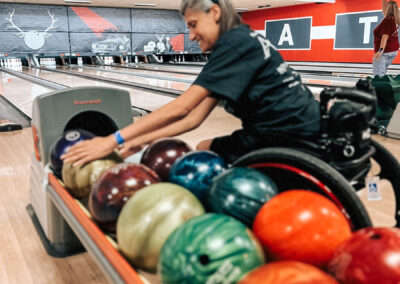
point(33, 28)
point(100, 42)
point(48, 29)
point(328, 32)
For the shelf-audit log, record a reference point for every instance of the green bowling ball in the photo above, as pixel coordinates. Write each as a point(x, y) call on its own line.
point(212, 248)
point(149, 217)
point(79, 180)
point(240, 192)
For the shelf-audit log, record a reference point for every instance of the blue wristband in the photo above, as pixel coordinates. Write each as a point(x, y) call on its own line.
point(119, 138)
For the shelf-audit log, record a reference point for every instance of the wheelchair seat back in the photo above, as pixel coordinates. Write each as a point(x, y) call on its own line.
point(346, 130)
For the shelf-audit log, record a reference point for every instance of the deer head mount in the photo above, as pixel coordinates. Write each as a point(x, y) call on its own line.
point(33, 39)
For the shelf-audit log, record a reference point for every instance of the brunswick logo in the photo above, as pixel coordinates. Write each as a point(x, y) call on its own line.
point(90, 102)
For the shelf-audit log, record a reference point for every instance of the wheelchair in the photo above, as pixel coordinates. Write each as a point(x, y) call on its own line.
point(337, 161)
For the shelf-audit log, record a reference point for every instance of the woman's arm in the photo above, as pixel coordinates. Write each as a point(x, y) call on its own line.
point(189, 122)
point(384, 6)
point(99, 147)
point(384, 40)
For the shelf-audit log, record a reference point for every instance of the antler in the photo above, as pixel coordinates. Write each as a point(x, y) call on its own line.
point(21, 32)
point(45, 34)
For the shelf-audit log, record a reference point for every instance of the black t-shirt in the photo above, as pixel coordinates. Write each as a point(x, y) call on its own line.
point(249, 75)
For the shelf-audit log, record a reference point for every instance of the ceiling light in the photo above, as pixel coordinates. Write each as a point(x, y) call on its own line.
point(144, 5)
point(78, 1)
point(242, 9)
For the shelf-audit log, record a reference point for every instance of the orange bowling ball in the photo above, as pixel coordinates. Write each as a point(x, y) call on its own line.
point(288, 272)
point(301, 225)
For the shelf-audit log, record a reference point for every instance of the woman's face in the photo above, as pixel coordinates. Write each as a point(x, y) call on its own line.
point(204, 27)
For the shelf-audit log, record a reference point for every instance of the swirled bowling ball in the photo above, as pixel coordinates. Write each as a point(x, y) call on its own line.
point(113, 189)
point(149, 217)
point(162, 153)
point(240, 193)
point(79, 180)
point(195, 171)
point(211, 248)
point(287, 272)
point(371, 255)
point(301, 225)
point(62, 144)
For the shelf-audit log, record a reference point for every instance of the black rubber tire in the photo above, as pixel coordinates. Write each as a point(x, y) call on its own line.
point(390, 170)
point(333, 182)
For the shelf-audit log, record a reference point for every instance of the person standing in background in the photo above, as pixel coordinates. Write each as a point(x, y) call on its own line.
point(386, 38)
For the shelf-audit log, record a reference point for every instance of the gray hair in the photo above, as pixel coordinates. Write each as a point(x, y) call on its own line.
point(229, 17)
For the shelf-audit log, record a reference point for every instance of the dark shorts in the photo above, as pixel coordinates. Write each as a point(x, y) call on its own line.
point(234, 146)
point(241, 142)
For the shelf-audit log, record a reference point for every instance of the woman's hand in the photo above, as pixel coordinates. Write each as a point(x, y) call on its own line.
point(377, 55)
point(90, 150)
point(130, 148)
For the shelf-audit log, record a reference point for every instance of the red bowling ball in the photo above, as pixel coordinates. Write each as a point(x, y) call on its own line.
point(113, 189)
point(301, 225)
point(370, 256)
point(288, 272)
point(162, 153)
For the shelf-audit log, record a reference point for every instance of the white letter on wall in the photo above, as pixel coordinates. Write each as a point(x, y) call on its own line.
point(286, 35)
point(367, 21)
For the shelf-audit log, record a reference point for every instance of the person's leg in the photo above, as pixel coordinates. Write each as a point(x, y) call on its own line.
point(204, 145)
point(379, 66)
point(389, 57)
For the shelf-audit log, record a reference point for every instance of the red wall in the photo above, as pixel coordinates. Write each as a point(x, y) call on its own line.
point(322, 15)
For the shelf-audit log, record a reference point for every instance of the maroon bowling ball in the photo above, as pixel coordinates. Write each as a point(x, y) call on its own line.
point(370, 256)
point(113, 189)
point(162, 153)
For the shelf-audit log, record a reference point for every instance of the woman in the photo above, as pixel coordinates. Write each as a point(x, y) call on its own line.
point(244, 71)
point(386, 38)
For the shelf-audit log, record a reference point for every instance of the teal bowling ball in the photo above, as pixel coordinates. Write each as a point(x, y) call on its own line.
point(195, 171)
point(211, 248)
point(240, 192)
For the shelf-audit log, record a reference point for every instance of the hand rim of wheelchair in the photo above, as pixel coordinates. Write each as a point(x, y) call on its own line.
point(319, 175)
point(390, 170)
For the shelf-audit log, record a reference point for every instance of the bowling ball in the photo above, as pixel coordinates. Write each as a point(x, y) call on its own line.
point(240, 193)
point(162, 153)
point(301, 225)
point(62, 144)
point(195, 171)
point(112, 190)
point(149, 217)
point(211, 248)
point(371, 255)
point(135, 158)
point(288, 272)
point(79, 180)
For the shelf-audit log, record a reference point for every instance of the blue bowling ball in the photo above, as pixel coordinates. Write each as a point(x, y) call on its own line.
point(62, 144)
point(240, 192)
point(195, 171)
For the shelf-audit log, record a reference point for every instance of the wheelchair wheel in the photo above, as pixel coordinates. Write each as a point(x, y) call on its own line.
point(293, 169)
point(390, 171)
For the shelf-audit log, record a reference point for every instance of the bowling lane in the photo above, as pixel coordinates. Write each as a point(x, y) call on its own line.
point(20, 92)
point(167, 68)
point(130, 78)
point(139, 98)
point(147, 72)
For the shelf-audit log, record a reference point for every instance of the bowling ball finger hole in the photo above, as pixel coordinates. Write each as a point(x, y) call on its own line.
point(204, 259)
point(376, 237)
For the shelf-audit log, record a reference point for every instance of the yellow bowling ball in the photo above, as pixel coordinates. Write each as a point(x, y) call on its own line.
point(149, 217)
point(79, 180)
